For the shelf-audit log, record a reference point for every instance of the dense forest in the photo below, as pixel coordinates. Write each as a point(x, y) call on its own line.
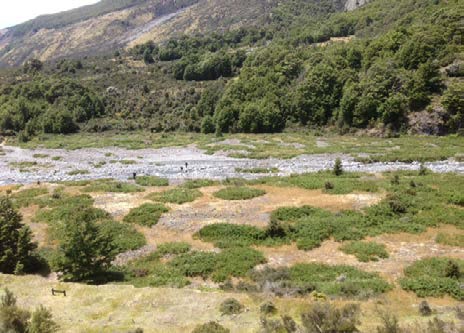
point(392, 66)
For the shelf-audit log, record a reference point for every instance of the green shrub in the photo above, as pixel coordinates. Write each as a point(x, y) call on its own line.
point(195, 264)
point(435, 277)
point(42, 322)
point(301, 279)
point(178, 196)
point(198, 183)
point(151, 181)
point(173, 248)
point(112, 186)
point(230, 306)
point(338, 167)
point(154, 274)
point(310, 233)
point(12, 317)
point(347, 182)
point(239, 193)
point(147, 214)
point(227, 235)
point(234, 262)
point(150, 272)
point(64, 209)
point(365, 251)
point(268, 308)
point(27, 197)
point(456, 198)
point(324, 278)
point(326, 318)
point(450, 239)
point(293, 214)
point(211, 327)
point(124, 236)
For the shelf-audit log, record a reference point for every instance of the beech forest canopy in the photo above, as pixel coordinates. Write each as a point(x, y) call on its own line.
point(309, 65)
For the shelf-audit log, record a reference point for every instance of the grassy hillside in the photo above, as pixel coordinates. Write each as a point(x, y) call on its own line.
point(62, 19)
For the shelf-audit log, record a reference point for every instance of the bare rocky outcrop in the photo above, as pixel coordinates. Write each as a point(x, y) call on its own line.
point(428, 122)
point(354, 4)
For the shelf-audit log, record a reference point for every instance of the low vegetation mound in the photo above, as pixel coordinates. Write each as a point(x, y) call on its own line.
point(151, 181)
point(27, 197)
point(147, 214)
point(230, 306)
point(173, 248)
point(435, 277)
point(300, 279)
point(343, 183)
point(198, 183)
point(233, 262)
point(365, 251)
point(239, 193)
point(112, 186)
point(211, 327)
point(173, 264)
point(178, 196)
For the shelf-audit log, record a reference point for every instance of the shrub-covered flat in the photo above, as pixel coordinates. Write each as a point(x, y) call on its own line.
point(391, 236)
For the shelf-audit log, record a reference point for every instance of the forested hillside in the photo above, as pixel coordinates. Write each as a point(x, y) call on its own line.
point(389, 66)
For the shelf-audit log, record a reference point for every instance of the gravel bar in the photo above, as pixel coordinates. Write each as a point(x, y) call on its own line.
point(118, 163)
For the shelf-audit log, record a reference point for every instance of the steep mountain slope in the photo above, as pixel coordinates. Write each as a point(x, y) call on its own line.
point(109, 25)
point(80, 32)
point(388, 67)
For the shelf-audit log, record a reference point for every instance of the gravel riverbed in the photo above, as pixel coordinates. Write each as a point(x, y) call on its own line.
point(19, 165)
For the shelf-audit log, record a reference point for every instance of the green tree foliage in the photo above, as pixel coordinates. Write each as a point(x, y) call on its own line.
point(17, 251)
point(338, 167)
point(48, 105)
point(390, 65)
point(85, 253)
point(453, 101)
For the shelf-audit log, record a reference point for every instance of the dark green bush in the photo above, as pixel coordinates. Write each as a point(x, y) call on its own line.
point(365, 251)
point(112, 186)
point(234, 262)
point(178, 196)
point(239, 193)
point(324, 278)
point(326, 318)
point(173, 248)
point(151, 181)
point(198, 183)
point(435, 277)
point(211, 327)
point(124, 236)
point(229, 235)
point(146, 215)
point(230, 306)
point(268, 308)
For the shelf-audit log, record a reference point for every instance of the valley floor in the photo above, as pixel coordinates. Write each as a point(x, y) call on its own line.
point(78, 157)
point(120, 307)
